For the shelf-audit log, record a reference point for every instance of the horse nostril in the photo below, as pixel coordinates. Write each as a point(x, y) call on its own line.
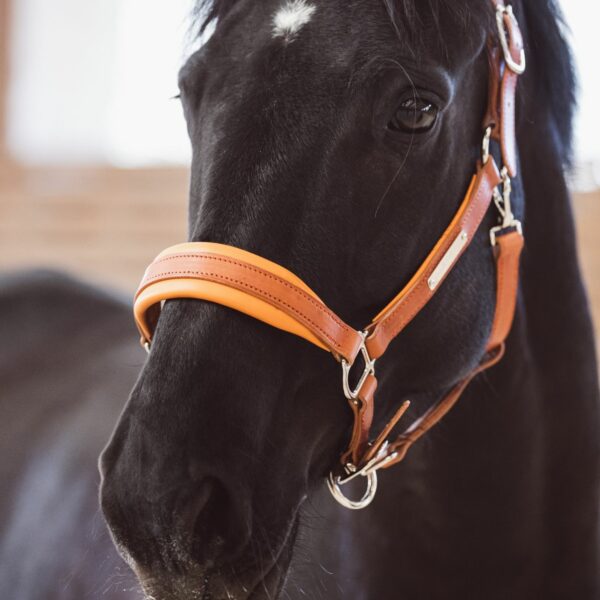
point(190, 505)
point(205, 516)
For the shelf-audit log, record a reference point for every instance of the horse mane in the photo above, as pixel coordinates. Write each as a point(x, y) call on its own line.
point(548, 50)
point(553, 69)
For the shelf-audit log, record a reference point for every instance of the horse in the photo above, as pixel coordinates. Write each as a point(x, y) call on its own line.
point(63, 379)
point(337, 139)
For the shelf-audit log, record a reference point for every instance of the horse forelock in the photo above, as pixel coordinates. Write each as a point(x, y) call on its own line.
point(410, 18)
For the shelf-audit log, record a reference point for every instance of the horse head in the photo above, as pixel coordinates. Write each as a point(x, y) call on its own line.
point(337, 139)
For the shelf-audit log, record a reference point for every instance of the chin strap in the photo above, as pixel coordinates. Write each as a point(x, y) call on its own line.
point(270, 293)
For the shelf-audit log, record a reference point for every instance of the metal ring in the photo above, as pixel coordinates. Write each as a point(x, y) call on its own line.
point(516, 67)
point(333, 483)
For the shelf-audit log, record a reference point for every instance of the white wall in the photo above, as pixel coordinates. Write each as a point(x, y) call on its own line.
point(93, 81)
point(583, 18)
point(145, 123)
point(62, 60)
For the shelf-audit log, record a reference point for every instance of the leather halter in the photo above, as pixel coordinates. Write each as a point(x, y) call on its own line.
point(270, 293)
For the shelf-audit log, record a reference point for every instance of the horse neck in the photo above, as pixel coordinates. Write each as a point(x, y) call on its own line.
point(558, 330)
point(556, 303)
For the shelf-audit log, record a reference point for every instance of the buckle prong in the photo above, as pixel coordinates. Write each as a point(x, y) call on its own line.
point(503, 204)
point(485, 146)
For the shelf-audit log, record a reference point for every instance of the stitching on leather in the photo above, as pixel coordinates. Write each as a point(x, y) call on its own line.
point(244, 284)
point(264, 273)
point(501, 293)
point(395, 320)
point(504, 286)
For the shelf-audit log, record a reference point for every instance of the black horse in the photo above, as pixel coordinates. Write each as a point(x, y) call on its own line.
point(68, 355)
point(337, 138)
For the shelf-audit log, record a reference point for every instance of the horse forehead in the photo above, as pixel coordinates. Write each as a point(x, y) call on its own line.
point(323, 44)
point(289, 29)
point(290, 17)
point(338, 34)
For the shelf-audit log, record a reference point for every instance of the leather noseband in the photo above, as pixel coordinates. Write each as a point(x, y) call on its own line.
point(270, 293)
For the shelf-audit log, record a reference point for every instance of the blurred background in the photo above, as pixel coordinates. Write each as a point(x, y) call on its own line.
point(94, 151)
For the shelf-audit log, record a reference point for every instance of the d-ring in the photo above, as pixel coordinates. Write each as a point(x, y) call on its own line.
point(334, 484)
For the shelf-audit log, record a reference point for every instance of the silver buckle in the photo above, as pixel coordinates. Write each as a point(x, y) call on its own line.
point(514, 224)
point(485, 146)
point(503, 204)
point(351, 394)
point(369, 471)
point(517, 68)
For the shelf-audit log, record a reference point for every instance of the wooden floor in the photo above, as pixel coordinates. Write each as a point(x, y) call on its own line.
point(106, 224)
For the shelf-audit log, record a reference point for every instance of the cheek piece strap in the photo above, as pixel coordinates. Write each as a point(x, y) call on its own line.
point(270, 293)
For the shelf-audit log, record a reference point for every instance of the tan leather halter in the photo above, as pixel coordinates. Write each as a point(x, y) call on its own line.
point(270, 293)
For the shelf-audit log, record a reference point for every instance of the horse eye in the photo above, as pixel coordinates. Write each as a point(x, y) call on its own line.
point(414, 116)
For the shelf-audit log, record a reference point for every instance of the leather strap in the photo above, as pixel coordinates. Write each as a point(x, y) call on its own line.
point(500, 116)
point(508, 251)
point(492, 116)
point(415, 295)
point(363, 409)
point(255, 278)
